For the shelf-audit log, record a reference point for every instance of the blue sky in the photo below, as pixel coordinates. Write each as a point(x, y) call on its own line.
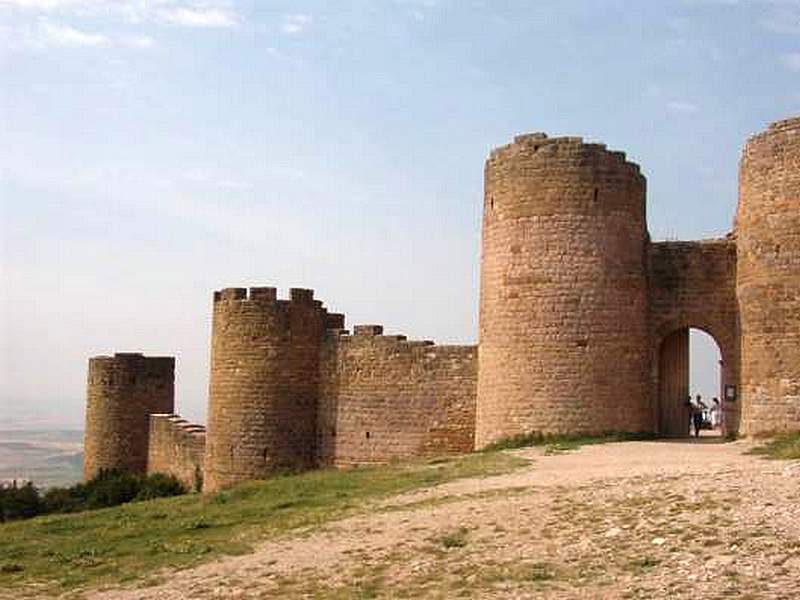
point(155, 150)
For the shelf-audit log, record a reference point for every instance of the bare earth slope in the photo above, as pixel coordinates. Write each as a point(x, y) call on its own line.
point(627, 520)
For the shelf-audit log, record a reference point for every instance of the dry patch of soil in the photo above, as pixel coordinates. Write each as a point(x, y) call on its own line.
point(683, 519)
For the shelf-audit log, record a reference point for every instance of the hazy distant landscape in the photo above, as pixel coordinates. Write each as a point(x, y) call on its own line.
point(46, 457)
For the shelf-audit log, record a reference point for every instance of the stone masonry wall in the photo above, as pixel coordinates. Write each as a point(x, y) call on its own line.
point(122, 391)
point(384, 398)
point(693, 284)
point(177, 448)
point(768, 279)
point(563, 306)
point(264, 384)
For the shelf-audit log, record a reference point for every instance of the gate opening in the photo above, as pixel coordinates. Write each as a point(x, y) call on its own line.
point(689, 383)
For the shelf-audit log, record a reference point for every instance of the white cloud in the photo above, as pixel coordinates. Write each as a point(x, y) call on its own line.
point(184, 13)
point(48, 34)
point(45, 5)
point(682, 107)
point(791, 61)
point(38, 24)
point(51, 34)
point(295, 23)
point(197, 17)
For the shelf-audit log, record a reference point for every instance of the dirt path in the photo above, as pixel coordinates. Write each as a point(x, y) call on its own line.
point(626, 520)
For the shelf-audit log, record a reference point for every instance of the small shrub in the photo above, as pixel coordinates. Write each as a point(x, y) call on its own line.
point(19, 502)
point(64, 500)
point(159, 485)
point(455, 539)
point(107, 488)
point(111, 488)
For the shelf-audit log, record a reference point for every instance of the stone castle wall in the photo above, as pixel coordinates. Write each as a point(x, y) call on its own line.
point(383, 397)
point(562, 268)
point(692, 284)
point(177, 447)
point(583, 329)
point(122, 391)
point(768, 278)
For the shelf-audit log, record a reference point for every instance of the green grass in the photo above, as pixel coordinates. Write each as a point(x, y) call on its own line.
point(131, 542)
point(783, 447)
point(555, 444)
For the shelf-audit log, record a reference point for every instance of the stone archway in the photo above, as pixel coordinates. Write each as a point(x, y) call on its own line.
point(673, 375)
point(691, 285)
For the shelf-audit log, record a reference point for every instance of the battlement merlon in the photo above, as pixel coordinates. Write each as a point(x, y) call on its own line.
point(176, 423)
point(267, 295)
point(335, 321)
point(368, 330)
point(785, 125)
point(533, 142)
point(374, 334)
point(775, 130)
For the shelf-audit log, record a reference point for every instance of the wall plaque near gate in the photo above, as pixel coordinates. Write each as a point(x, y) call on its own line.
point(730, 393)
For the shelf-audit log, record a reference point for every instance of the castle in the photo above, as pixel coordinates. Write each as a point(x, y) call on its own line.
point(583, 329)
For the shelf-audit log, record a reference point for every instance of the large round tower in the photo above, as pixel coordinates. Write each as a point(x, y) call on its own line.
point(768, 278)
point(122, 391)
point(563, 337)
point(263, 387)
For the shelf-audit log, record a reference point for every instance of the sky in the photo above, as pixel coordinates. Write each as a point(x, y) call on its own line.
point(153, 151)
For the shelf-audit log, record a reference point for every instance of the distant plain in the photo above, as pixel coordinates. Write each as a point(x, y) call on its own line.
point(47, 457)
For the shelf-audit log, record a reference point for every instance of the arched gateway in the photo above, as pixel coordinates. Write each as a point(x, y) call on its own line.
point(584, 321)
point(691, 285)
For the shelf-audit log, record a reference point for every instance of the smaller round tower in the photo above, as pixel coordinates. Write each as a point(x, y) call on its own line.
point(263, 386)
point(122, 391)
point(768, 278)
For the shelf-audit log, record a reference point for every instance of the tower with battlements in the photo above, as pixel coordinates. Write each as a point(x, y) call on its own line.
point(768, 278)
point(264, 383)
point(562, 269)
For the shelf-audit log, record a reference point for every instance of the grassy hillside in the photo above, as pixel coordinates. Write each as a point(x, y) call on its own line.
point(56, 553)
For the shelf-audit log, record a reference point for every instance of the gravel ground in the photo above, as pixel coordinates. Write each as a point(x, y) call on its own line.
point(668, 519)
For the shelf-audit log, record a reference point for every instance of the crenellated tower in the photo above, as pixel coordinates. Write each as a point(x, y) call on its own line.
point(122, 391)
point(264, 382)
point(768, 278)
point(563, 296)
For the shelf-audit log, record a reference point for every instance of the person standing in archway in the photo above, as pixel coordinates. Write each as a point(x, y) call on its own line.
point(715, 413)
point(697, 415)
